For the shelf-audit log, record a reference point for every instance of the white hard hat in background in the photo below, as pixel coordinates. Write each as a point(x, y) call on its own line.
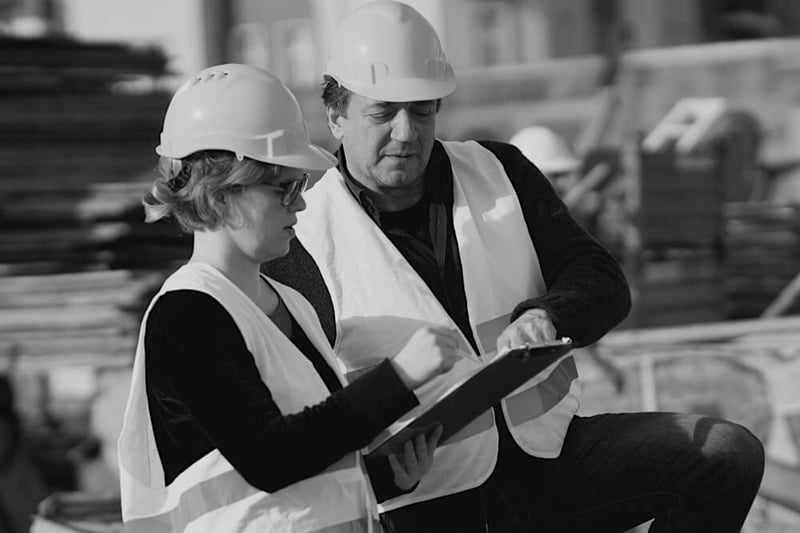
point(388, 51)
point(546, 149)
point(242, 109)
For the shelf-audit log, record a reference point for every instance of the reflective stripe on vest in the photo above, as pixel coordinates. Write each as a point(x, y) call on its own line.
point(537, 400)
point(490, 330)
point(210, 495)
point(529, 403)
point(202, 498)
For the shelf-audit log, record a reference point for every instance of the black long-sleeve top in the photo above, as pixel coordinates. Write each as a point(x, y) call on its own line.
point(204, 392)
point(587, 293)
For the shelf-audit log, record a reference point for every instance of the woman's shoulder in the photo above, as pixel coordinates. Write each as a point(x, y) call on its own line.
point(191, 324)
point(187, 311)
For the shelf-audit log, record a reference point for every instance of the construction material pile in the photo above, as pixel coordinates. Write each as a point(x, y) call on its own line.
point(78, 127)
point(677, 279)
point(76, 512)
point(762, 256)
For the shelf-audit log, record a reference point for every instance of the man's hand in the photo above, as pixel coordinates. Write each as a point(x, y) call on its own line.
point(417, 459)
point(533, 326)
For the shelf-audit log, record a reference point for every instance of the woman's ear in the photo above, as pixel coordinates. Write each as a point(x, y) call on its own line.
point(335, 119)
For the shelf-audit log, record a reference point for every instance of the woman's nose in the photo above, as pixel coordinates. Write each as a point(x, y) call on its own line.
point(299, 203)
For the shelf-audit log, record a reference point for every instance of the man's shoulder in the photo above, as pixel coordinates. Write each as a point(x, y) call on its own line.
point(518, 168)
point(501, 150)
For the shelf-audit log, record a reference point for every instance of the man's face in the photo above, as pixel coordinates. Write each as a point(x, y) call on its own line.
point(387, 144)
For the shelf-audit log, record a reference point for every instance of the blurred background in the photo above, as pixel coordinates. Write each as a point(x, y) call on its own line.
point(671, 128)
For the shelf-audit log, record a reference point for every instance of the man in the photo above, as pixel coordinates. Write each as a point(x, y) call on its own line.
point(580, 188)
point(411, 231)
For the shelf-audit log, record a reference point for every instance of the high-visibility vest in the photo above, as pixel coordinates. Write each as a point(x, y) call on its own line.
point(210, 495)
point(380, 301)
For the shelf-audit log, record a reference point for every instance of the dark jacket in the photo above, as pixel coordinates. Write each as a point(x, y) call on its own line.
point(587, 294)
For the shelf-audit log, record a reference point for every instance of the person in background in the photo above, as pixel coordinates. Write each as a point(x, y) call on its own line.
point(237, 418)
point(21, 483)
point(553, 156)
point(409, 230)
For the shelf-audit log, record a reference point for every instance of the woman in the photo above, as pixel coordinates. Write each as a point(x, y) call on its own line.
point(238, 419)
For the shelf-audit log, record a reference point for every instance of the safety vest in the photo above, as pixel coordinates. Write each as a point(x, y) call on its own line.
point(380, 301)
point(210, 495)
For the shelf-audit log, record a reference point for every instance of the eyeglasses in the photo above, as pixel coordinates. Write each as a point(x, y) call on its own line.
point(290, 190)
point(293, 189)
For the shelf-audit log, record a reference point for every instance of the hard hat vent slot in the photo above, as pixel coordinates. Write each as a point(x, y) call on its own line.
point(377, 72)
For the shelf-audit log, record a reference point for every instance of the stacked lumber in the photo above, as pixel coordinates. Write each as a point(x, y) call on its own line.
point(78, 127)
point(761, 255)
point(78, 123)
point(90, 317)
point(680, 199)
point(678, 286)
point(676, 273)
point(66, 512)
point(680, 196)
point(52, 227)
point(63, 64)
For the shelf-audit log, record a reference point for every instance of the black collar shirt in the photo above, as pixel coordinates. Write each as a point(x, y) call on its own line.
point(424, 234)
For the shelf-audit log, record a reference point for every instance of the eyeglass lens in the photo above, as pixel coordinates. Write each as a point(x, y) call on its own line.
point(293, 189)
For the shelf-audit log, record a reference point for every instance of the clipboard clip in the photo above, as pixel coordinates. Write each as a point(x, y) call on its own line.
point(527, 347)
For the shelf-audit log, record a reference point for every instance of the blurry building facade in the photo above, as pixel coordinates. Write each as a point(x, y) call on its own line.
point(289, 37)
point(519, 62)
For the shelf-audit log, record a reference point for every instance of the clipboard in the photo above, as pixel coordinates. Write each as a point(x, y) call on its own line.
point(466, 401)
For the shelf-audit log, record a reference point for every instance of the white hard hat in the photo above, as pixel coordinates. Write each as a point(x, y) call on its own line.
point(546, 149)
point(242, 109)
point(388, 51)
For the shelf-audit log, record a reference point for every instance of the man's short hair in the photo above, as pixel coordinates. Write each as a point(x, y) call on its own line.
point(335, 95)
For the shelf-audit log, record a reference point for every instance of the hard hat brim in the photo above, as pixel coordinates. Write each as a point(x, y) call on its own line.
point(558, 166)
point(310, 157)
point(402, 90)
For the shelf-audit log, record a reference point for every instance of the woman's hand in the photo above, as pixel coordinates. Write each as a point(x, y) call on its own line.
point(429, 352)
point(416, 460)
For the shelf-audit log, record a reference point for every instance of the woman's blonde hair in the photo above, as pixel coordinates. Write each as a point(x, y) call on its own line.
point(193, 190)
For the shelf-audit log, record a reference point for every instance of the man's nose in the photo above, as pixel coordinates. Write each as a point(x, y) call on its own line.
point(403, 127)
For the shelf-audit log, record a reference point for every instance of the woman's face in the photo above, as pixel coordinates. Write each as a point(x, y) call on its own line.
point(261, 225)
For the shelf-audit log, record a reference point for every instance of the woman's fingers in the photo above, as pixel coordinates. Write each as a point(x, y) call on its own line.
point(417, 457)
point(410, 457)
point(433, 438)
